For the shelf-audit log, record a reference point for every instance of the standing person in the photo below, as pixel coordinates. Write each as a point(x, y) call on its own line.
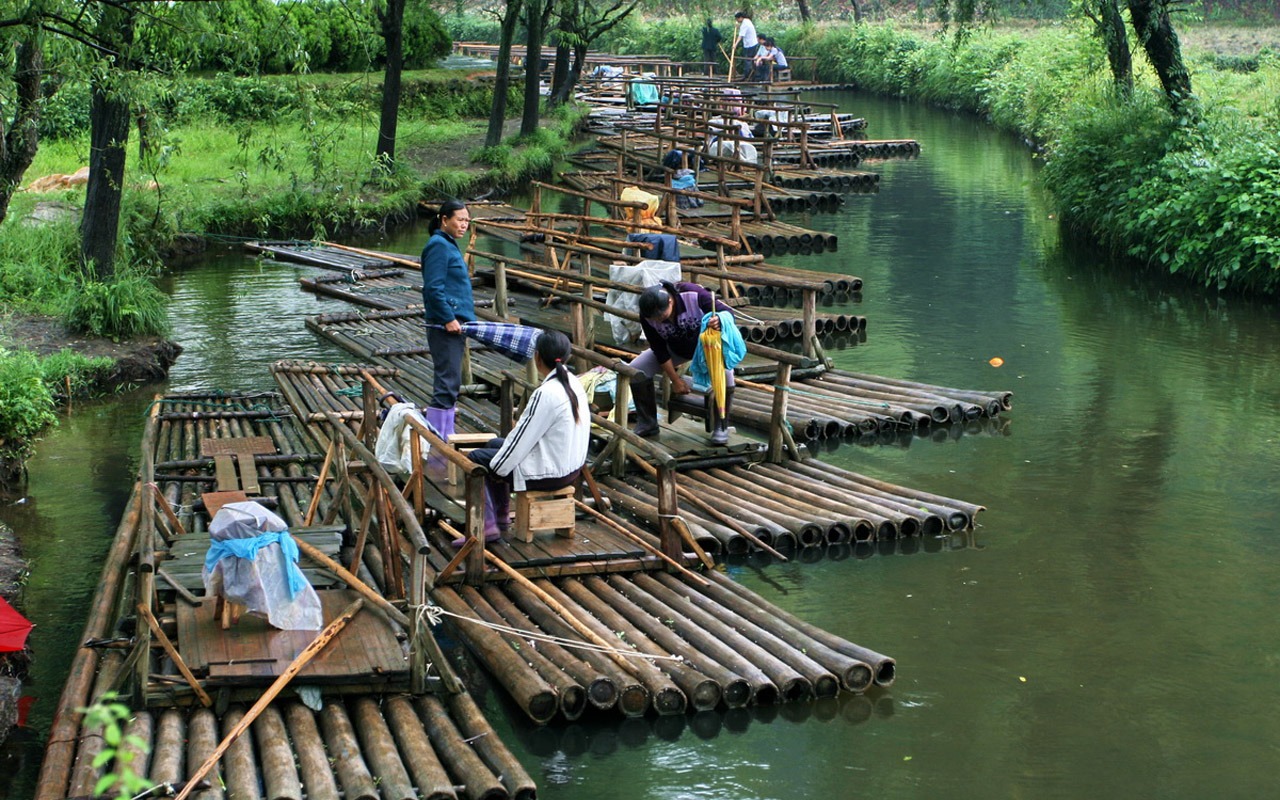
point(447, 301)
point(671, 317)
point(746, 36)
point(547, 447)
point(711, 39)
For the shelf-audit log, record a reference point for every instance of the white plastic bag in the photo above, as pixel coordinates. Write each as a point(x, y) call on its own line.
point(393, 449)
point(260, 582)
point(646, 274)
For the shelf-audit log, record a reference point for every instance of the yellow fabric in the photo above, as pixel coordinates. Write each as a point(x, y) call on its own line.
point(713, 352)
point(643, 216)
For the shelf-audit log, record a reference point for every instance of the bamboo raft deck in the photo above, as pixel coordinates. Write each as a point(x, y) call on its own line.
point(734, 648)
point(373, 280)
point(346, 726)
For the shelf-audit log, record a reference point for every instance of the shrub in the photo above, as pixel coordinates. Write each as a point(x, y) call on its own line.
point(126, 306)
point(26, 404)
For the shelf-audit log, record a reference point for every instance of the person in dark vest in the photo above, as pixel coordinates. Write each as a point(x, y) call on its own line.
point(671, 318)
point(711, 39)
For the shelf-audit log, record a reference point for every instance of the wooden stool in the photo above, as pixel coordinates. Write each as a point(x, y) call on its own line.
point(541, 510)
point(227, 613)
point(465, 443)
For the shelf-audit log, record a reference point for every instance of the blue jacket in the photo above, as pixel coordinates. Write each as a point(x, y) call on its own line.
point(446, 284)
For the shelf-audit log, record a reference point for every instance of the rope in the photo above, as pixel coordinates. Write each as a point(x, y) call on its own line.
point(434, 613)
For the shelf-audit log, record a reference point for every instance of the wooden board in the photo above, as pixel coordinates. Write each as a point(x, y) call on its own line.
point(254, 652)
point(186, 557)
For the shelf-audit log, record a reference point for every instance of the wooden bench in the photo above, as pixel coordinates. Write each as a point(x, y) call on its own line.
point(544, 510)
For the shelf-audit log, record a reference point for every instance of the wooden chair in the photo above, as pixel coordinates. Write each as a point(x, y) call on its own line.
point(544, 510)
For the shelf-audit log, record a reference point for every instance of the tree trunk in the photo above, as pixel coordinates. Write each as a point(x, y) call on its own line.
point(857, 12)
point(393, 35)
point(108, 135)
point(19, 143)
point(804, 10)
point(503, 80)
point(1160, 42)
point(1115, 38)
point(560, 75)
point(535, 19)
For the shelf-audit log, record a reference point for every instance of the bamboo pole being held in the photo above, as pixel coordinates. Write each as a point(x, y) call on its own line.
point(309, 652)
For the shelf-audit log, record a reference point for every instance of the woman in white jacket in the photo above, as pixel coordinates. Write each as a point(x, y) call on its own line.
point(547, 447)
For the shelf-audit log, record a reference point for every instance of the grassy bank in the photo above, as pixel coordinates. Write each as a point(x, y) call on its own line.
point(285, 156)
point(1199, 199)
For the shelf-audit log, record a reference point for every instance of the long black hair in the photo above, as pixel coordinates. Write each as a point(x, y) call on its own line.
point(553, 350)
point(447, 209)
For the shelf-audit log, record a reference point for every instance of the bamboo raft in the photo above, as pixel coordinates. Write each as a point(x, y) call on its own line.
point(374, 280)
point(352, 723)
point(735, 649)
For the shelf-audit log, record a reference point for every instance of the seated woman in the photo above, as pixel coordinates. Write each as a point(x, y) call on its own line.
point(769, 59)
point(671, 317)
point(547, 447)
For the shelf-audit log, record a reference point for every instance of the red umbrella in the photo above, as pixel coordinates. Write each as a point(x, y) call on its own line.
point(13, 628)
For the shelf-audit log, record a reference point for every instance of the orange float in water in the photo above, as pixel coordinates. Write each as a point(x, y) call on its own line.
point(996, 362)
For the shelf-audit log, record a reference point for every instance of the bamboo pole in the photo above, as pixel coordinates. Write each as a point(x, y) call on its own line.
point(145, 612)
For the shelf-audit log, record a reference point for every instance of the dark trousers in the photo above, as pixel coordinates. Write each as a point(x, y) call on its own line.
point(447, 350)
point(484, 457)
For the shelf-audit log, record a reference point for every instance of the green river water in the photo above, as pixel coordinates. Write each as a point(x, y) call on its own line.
point(1109, 629)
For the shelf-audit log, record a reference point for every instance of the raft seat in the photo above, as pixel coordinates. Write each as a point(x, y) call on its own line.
point(538, 510)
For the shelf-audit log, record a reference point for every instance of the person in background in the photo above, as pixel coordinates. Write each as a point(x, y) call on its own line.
point(769, 59)
point(745, 36)
point(671, 318)
point(547, 447)
point(711, 39)
point(447, 302)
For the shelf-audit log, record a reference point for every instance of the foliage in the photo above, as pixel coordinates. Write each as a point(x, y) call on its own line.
point(26, 404)
point(127, 305)
point(118, 748)
point(83, 372)
point(259, 36)
point(34, 264)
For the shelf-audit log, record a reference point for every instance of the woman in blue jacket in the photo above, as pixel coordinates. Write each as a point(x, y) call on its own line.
point(446, 297)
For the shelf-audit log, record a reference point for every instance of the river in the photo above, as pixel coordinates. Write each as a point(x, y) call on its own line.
point(1108, 629)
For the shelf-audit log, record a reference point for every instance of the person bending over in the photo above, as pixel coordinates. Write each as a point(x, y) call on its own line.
point(671, 317)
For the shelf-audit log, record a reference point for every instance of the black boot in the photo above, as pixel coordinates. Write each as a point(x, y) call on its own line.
point(646, 400)
point(719, 424)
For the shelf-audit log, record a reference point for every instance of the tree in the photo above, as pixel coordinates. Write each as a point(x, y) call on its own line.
point(1151, 23)
point(19, 139)
point(508, 21)
point(1110, 28)
point(108, 136)
point(581, 23)
point(1154, 27)
point(537, 15)
point(392, 19)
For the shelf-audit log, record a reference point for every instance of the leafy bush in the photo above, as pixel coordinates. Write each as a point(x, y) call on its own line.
point(83, 372)
point(129, 305)
point(26, 404)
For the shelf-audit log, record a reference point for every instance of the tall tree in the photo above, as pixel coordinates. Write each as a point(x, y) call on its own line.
point(1109, 26)
point(537, 15)
point(392, 19)
point(19, 139)
point(108, 136)
point(509, 20)
point(581, 23)
point(1154, 27)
